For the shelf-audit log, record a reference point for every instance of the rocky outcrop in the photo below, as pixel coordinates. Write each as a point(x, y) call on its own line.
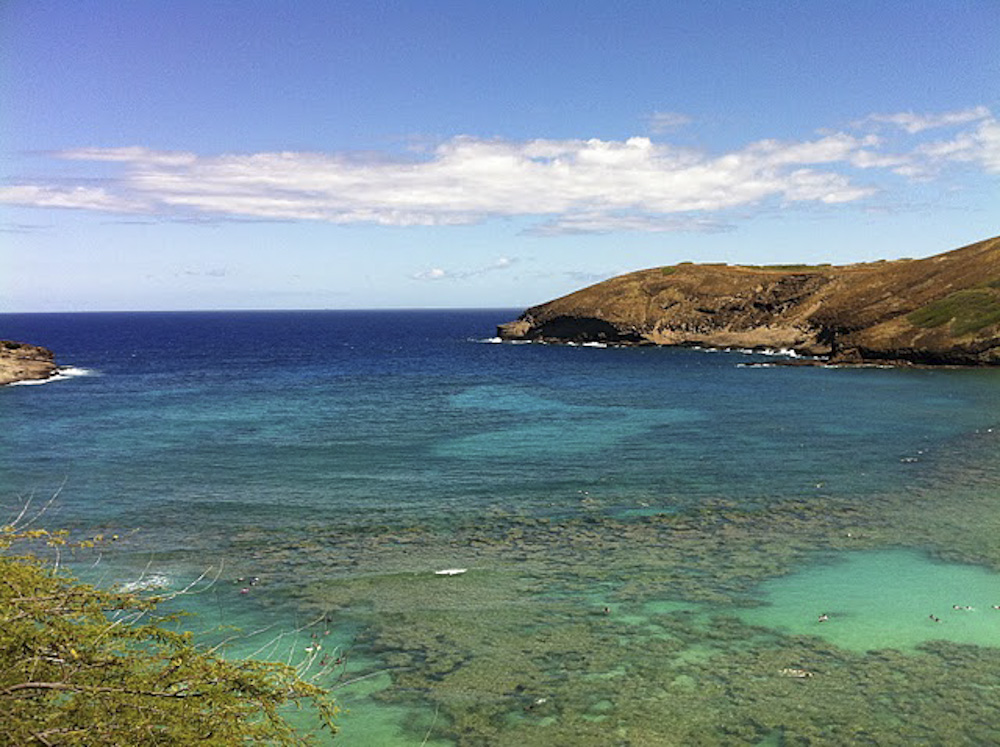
point(22, 362)
point(942, 310)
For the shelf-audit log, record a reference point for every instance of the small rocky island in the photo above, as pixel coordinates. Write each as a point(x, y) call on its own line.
point(22, 362)
point(942, 310)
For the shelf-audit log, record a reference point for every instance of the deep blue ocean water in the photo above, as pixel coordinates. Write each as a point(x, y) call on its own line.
point(189, 432)
point(222, 415)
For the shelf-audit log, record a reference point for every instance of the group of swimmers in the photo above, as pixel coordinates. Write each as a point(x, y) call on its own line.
point(962, 607)
point(253, 581)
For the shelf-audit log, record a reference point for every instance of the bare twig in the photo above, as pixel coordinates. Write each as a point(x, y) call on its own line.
point(427, 736)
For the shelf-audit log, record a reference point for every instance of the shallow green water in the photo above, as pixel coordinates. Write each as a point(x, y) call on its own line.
point(884, 599)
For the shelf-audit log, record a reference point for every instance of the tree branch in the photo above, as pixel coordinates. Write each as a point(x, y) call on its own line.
point(93, 689)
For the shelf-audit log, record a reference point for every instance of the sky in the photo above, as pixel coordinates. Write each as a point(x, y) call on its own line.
point(441, 154)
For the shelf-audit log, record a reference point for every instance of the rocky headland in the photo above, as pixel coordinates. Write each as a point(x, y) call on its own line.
point(22, 362)
point(942, 310)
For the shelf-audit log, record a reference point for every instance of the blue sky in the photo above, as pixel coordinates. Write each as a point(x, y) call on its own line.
point(227, 155)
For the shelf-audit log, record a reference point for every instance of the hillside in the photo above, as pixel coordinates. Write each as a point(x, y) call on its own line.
point(943, 309)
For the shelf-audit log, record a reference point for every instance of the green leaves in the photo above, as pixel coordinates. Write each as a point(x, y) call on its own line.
point(84, 666)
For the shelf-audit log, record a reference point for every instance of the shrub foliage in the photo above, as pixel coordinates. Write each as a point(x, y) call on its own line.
point(968, 311)
point(85, 666)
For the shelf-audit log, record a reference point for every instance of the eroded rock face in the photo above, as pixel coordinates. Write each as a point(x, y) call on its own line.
point(22, 362)
point(943, 310)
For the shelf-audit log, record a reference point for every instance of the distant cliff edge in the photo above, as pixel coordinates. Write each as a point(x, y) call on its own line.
point(942, 310)
point(22, 362)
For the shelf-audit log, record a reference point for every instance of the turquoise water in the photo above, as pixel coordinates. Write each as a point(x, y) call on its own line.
point(884, 599)
point(649, 535)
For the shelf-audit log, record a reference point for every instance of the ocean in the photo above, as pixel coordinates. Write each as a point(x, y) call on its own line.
point(642, 540)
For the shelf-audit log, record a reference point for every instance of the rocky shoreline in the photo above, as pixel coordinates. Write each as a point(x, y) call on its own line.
point(785, 358)
point(20, 361)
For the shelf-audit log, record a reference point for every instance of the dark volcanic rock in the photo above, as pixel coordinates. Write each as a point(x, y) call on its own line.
point(943, 310)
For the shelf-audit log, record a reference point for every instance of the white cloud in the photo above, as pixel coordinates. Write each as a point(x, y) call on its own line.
point(214, 272)
point(661, 122)
point(569, 186)
point(22, 228)
point(914, 123)
point(980, 146)
point(597, 222)
point(81, 198)
point(131, 154)
point(437, 273)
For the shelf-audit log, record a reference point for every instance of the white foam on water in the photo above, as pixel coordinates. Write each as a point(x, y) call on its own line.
point(62, 373)
point(771, 352)
point(777, 353)
point(146, 583)
point(69, 372)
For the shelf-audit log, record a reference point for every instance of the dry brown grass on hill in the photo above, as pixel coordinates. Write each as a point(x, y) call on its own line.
point(942, 309)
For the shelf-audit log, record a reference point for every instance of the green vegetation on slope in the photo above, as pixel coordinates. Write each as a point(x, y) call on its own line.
point(968, 311)
point(82, 666)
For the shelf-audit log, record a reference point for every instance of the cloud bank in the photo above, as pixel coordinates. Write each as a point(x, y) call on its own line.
point(567, 186)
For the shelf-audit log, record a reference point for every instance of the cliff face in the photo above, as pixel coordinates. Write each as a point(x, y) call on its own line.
point(940, 310)
point(22, 362)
